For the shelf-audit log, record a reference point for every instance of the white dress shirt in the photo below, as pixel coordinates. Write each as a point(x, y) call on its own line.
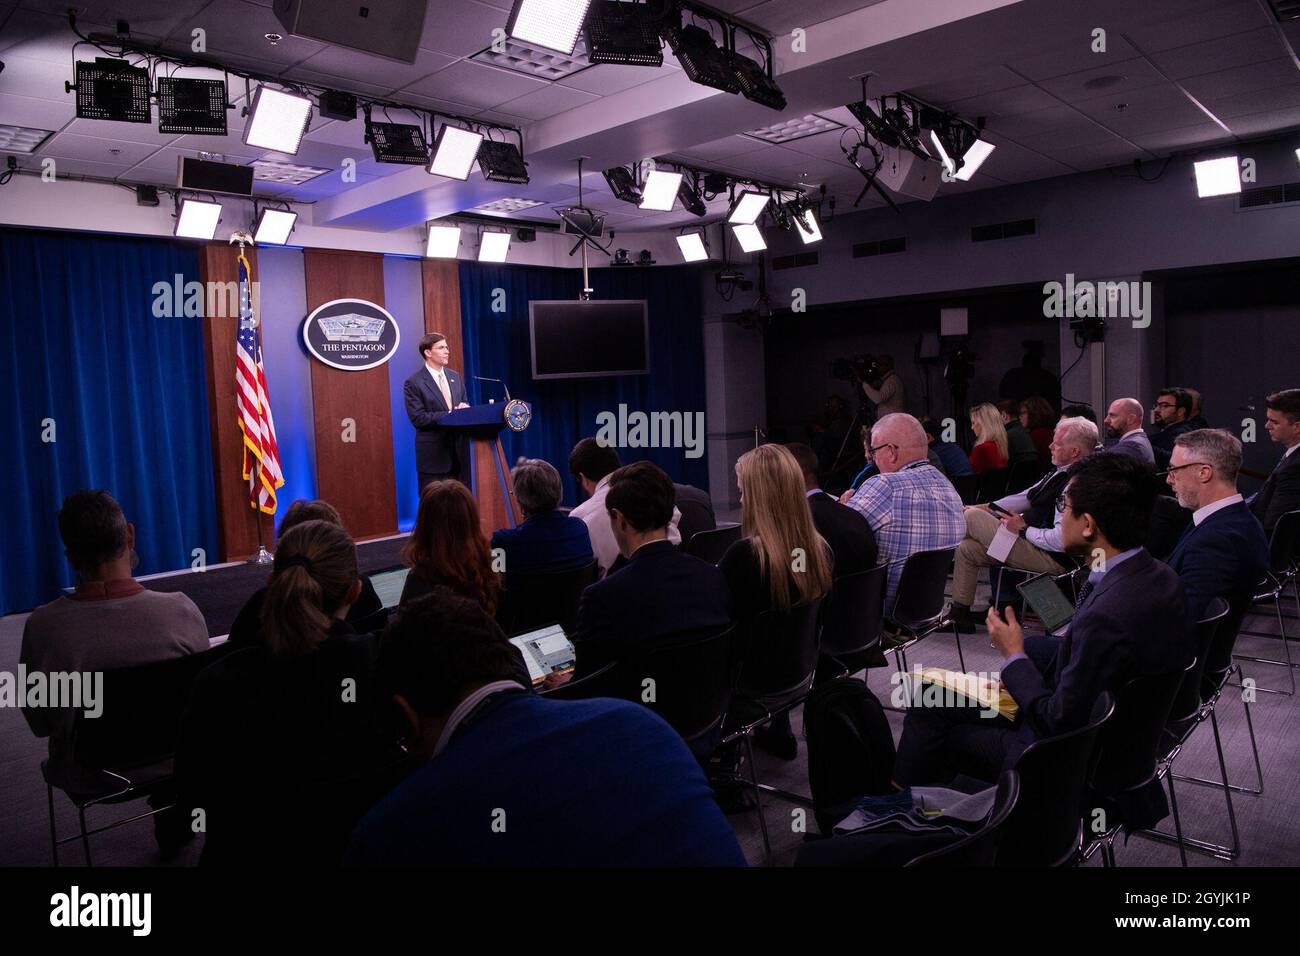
point(603, 543)
point(1048, 539)
point(441, 383)
point(1200, 514)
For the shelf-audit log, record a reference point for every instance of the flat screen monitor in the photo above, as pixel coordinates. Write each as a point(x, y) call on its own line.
point(577, 339)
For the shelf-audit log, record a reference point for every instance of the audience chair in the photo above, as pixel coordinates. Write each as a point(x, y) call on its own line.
point(777, 664)
point(1189, 712)
point(1046, 824)
point(852, 621)
point(536, 600)
point(968, 486)
point(711, 545)
point(1168, 521)
point(1023, 474)
point(1284, 554)
point(992, 485)
point(599, 683)
point(1129, 752)
point(981, 847)
point(691, 677)
point(126, 752)
point(919, 609)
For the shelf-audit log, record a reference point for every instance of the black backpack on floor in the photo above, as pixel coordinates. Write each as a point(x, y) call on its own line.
point(850, 748)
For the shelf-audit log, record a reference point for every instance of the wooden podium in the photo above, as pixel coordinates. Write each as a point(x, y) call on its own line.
point(489, 472)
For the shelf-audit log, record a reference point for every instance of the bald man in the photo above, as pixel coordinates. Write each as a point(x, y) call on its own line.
point(1124, 422)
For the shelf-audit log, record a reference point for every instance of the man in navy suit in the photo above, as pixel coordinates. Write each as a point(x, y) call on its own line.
point(1131, 621)
point(661, 591)
point(1124, 424)
point(431, 393)
point(1223, 552)
point(1281, 492)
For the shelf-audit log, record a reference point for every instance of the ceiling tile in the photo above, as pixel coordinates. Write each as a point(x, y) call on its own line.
point(38, 114)
point(1181, 138)
point(1196, 22)
point(1214, 55)
point(723, 148)
point(82, 167)
point(40, 79)
point(1255, 124)
point(989, 80)
point(1282, 97)
point(1040, 122)
point(464, 31)
point(377, 71)
point(1073, 57)
point(1011, 102)
point(476, 84)
point(95, 149)
point(330, 82)
point(128, 132)
point(547, 102)
point(609, 78)
point(1134, 74)
point(1243, 79)
point(236, 29)
point(1151, 108)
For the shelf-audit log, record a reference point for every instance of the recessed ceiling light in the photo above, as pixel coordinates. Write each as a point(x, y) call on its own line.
point(534, 60)
point(289, 174)
point(273, 37)
point(787, 131)
point(504, 207)
point(22, 139)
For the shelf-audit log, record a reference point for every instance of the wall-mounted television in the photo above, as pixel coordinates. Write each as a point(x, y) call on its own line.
point(577, 339)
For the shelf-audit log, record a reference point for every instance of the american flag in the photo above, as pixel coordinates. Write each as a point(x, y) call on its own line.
point(261, 454)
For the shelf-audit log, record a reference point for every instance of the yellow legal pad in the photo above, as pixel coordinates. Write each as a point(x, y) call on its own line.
point(990, 694)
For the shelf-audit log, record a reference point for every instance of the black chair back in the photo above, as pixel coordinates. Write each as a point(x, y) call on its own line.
point(1022, 474)
point(141, 714)
point(1168, 520)
point(1284, 543)
point(1130, 744)
point(536, 600)
point(992, 485)
point(854, 612)
point(690, 675)
point(604, 682)
point(1218, 659)
point(968, 486)
point(981, 847)
point(711, 545)
point(779, 655)
point(919, 599)
point(1044, 826)
point(1187, 702)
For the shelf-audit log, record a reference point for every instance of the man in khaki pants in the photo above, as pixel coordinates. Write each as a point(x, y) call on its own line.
point(1034, 517)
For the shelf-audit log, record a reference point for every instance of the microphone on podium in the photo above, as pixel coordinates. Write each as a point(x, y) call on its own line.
point(497, 380)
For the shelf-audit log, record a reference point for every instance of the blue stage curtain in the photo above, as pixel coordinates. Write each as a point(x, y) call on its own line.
point(124, 392)
point(497, 344)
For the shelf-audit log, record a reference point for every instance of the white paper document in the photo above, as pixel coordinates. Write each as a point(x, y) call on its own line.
point(1002, 544)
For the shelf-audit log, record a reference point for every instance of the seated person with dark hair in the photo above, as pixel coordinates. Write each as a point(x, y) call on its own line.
point(954, 461)
point(661, 591)
point(1020, 444)
point(510, 778)
point(853, 543)
point(1131, 621)
point(247, 628)
point(1280, 492)
point(1172, 409)
point(696, 508)
point(1079, 411)
point(547, 540)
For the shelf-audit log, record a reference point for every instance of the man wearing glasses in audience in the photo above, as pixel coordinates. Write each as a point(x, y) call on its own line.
point(1170, 414)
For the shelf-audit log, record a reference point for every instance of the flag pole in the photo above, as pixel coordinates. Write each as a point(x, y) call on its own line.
point(262, 556)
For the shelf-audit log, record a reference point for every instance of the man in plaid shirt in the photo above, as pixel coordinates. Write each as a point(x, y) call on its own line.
point(910, 505)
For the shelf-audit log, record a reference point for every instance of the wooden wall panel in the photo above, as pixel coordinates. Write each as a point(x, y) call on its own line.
point(236, 520)
point(441, 278)
point(356, 477)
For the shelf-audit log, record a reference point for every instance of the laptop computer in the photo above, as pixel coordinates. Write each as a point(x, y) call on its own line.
point(547, 650)
point(1049, 600)
point(388, 585)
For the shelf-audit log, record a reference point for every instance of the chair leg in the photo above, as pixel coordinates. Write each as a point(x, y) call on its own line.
point(758, 799)
point(1108, 852)
point(85, 839)
point(1254, 748)
point(1178, 821)
point(1227, 790)
point(960, 657)
point(1286, 650)
point(54, 836)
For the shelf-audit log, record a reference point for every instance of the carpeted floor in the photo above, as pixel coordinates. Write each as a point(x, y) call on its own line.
point(1269, 824)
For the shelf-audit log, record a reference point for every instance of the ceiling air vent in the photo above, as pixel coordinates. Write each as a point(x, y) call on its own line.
point(1258, 196)
point(795, 261)
point(1003, 230)
point(1285, 9)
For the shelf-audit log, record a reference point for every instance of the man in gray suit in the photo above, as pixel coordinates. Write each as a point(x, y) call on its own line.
point(1124, 422)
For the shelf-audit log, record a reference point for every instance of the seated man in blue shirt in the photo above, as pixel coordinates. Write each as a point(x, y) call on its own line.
point(955, 461)
point(547, 539)
point(513, 779)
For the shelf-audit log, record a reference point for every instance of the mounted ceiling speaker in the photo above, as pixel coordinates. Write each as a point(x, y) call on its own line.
point(907, 174)
point(389, 29)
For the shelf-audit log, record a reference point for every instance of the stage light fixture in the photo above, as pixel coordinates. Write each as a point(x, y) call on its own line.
point(690, 198)
point(193, 106)
point(692, 246)
point(702, 60)
point(502, 162)
point(750, 237)
point(493, 246)
point(197, 219)
point(753, 82)
point(623, 33)
point(277, 121)
point(808, 229)
point(454, 152)
point(960, 150)
point(1217, 177)
point(274, 227)
point(660, 190)
point(112, 89)
point(443, 243)
point(973, 159)
point(749, 205)
point(401, 143)
point(554, 24)
point(622, 185)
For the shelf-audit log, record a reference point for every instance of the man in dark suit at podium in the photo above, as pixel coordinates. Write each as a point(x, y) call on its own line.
point(431, 393)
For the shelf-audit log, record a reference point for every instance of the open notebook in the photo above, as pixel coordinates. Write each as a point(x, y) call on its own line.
point(990, 695)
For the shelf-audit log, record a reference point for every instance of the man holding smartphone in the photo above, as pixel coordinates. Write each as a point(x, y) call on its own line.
point(1032, 514)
